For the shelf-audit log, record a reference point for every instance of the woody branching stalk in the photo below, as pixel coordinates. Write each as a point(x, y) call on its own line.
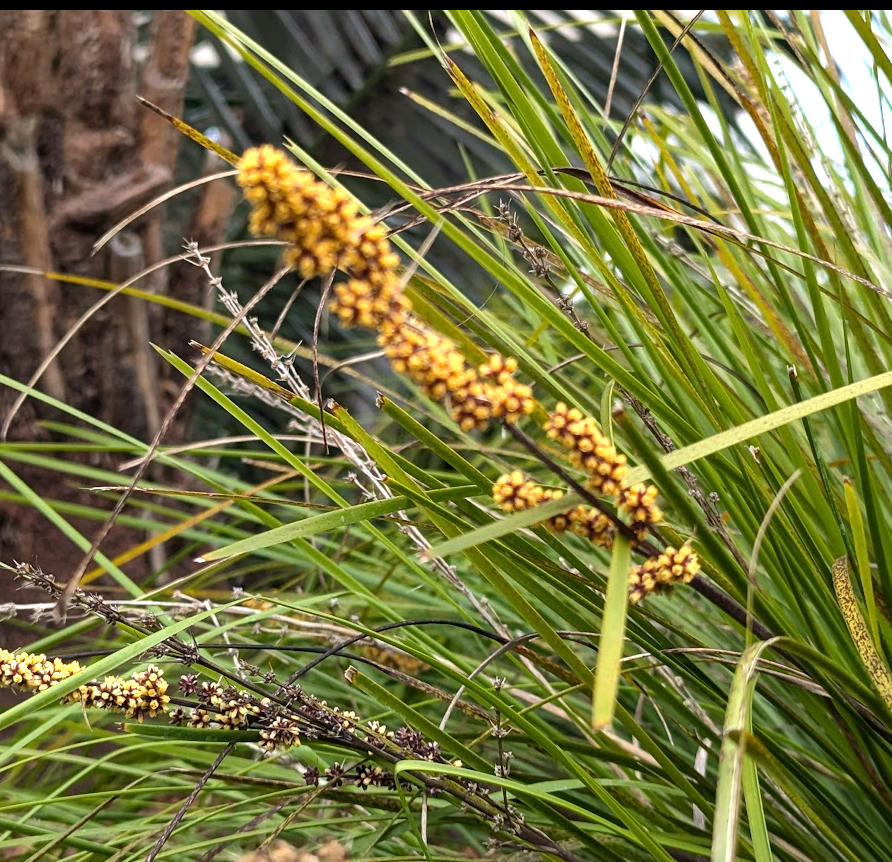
point(325, 234)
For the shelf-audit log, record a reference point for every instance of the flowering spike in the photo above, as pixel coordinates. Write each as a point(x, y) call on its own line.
point(513, 492)
point(589, 449)
point(638, 501)
point(660, 573)
point(31, 672)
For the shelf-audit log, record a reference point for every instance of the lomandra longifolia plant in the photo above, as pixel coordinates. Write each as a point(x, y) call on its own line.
point(604, 575)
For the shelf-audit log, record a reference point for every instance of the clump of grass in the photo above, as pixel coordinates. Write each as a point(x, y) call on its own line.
point(612, 560)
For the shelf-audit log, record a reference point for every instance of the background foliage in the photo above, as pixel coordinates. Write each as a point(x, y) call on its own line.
point(720, 305)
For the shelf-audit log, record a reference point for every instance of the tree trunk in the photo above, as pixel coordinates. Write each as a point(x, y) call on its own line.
point(77, 154)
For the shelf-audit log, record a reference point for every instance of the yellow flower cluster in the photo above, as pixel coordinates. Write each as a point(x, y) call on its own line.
point(592, 525)
point(430, 359)
point(360, 302)
point(30, 672)
point(143, 695)
point(508, 399)
point(315, 220)
point(475, 396)
point(324, 232)
point(513, 492)
point(589, 449)
point(638, 502)
point(231, 712)
point(661, 572)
